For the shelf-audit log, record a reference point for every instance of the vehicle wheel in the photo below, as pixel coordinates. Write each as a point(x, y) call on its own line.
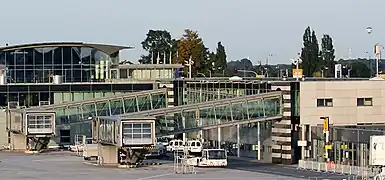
point(87, 158)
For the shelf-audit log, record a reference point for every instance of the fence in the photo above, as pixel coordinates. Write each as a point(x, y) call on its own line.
point(338, 168)
point(350, 145)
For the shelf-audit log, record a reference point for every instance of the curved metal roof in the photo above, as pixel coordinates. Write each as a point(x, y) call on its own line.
point(108, 49)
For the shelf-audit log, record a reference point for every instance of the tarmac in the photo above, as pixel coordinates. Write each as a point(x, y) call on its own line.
point(64, 166)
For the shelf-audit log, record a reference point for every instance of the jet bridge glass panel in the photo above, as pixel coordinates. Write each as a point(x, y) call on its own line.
point(137, 133)
point(214, 113)
point(40, 123)
point(16, 121)
point(79, 111)
point(107, 131)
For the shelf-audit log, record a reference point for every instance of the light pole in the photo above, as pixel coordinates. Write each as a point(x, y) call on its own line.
point(322, 70)
point(370, 63)
point(279, 71)
point(349, 68)
point(296, 62)
point(267, 58)
point(189, 63)
point(377, 54)
point(369, 31)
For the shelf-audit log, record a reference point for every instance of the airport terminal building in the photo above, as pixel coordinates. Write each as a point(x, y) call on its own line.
point(48, 73)
point(58, 73)
point(54, 73)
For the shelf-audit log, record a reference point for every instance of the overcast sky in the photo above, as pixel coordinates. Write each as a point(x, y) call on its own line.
point(247, 28)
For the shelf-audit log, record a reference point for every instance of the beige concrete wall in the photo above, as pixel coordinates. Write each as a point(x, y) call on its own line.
point(109, 154)
point(344, 94)
point(18, 142)
point(3, 129)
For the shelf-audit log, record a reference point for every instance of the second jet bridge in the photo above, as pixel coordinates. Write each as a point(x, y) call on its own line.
point(214, 114)
point(123, 140)
point(30, 129)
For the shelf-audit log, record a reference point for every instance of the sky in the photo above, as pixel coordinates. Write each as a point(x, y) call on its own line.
point(247, 28)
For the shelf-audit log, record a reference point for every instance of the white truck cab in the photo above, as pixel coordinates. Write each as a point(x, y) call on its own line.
point(175, 145)
point(194, 146)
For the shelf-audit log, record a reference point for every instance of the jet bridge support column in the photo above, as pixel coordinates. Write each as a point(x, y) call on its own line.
point(238, 142)
point(18, 142)
point(108, 154)
point(219, 137)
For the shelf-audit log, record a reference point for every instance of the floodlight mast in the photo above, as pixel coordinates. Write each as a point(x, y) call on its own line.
point(296, 62)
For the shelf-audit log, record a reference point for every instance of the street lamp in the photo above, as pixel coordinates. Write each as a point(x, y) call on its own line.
point(279, 71)
point(370, 63)
point(377, 54)
point(369, 31)
point(322, 70)
point(349, 68)
point(189, 64)
point(296, 62)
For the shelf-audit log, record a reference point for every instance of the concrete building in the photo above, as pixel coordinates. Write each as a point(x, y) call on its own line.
point(355, 110)
point(344, 102)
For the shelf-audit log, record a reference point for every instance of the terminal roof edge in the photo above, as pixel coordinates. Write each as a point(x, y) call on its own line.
point(106, 48)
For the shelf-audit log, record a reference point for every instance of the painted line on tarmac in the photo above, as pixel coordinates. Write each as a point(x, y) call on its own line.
point(151, 177)
point(271, 172)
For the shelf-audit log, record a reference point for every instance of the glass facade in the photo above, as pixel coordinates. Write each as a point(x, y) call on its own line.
point(22, 95)
point(191, 92)
point(39, 65)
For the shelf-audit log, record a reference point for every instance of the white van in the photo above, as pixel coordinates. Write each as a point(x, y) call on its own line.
point(194, 146)
point(175, 145)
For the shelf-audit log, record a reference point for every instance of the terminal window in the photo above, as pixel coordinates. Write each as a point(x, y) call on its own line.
point(364, 101)
point(325, 102)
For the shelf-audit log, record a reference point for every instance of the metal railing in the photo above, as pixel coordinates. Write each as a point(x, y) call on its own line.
point(338, 168)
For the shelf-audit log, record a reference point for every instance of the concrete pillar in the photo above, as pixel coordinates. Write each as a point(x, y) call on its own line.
point(18, 142)
point(259, 140)
point(219, 137)
point(303, 138)
point(361, 155)
point(238, 142)
point(311, 150)
point(184, 126)
point(108, 154)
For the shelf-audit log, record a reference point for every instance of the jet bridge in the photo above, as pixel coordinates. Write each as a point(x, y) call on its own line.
point(123, 140)
point(30, 129)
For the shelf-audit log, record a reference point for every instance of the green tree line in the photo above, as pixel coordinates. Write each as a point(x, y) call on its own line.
point(161, 48)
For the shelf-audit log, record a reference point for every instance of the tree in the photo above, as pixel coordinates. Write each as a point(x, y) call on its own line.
point(191, 46)
point(327, 55)
point(359, 69)
point(212, 59)
point(157, 42)
point(220, 61)
point(310, 52)
point(244, 64)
